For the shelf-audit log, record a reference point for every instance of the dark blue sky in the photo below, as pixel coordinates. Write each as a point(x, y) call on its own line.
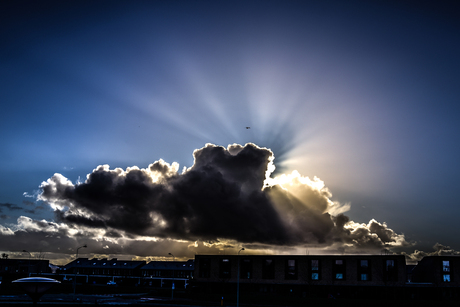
point(362, 94)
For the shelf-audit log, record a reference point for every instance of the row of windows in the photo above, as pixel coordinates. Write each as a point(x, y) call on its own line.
point(95, 263)
point(168, 273)
point(291, 270)
point(104, 272)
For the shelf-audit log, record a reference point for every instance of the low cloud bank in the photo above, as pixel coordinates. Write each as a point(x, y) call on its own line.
point(439, 250)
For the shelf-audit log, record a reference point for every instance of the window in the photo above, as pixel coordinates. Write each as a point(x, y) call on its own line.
point(390, 264)
point(446, 271)
point(225, 266)
point(246, 269)
point(314, 269)
point(268, 269)
point(205, 267)
point(339, 269)
point(364, 270)
point(446, 266)
point(391, 272)
point(291, 269)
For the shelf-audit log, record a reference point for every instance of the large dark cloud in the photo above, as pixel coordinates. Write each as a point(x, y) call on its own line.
point(227, 194)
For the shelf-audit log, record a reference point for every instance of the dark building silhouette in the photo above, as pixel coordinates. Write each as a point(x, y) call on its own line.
point(164, 273)
point(340, 275)
point(102, 271)
point(11, 269)
point(439, 275)
point(346, 276)
point(128, 272)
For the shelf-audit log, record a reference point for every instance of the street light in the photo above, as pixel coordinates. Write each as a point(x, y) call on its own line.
point(75, 272)
point(238, 280)
point(172, 288)
point(30, 255)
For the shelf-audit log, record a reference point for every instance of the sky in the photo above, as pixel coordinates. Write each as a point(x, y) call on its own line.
point(143, 128)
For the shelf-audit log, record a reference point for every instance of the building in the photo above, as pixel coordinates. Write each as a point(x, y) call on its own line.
point(345, 276)
point(128, 272)
point(440, 275)
point(165, 273)
point(11, 269)
point(103, 271)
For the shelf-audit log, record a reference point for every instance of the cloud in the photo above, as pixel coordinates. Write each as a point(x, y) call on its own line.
point(9, 206)
point(439, 250)
point(4, 231)
point(227, 195)
point(28, 203)
point(60, 240)
point(14, 207)
point(373, 234)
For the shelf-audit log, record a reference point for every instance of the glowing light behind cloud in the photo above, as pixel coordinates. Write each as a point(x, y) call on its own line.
point(366, 105)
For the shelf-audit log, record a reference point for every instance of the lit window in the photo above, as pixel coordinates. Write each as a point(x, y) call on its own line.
point(363, 276)
point(446, 266)
point(315, 265)
point(364, 263)
point(338, 271)
point(390, 264)
point(114, 264)
point(314, 276)
point(446, 277)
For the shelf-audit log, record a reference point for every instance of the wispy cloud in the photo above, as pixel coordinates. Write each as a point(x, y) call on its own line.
point(10, 206)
